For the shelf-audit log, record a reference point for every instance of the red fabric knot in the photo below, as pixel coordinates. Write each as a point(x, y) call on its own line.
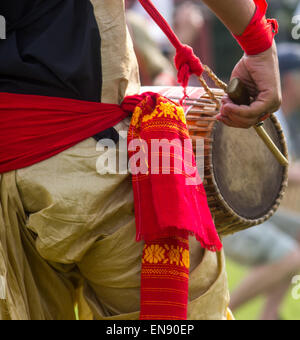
point(187, 63)
point(131, 102)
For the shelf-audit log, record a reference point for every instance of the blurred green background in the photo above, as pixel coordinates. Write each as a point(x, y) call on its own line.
point(290, 309)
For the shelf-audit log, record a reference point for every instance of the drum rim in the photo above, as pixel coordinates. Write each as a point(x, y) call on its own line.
point(230, 212)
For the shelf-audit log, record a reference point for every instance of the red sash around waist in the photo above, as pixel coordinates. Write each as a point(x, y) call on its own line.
point(34, 128)
point(167, 210)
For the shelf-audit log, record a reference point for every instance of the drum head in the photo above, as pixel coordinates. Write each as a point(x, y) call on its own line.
point(248, 176)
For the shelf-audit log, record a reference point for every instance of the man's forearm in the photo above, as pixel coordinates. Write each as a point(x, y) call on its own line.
point(235, 14)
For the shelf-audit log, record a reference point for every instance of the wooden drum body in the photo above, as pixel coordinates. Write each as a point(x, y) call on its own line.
point(243, 181)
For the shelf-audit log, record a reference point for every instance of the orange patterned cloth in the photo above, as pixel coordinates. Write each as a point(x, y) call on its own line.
point(170, 204)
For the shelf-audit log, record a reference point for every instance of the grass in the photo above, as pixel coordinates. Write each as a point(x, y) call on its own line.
point(290, 309)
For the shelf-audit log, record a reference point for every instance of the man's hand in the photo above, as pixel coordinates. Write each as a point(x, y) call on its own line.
point(260, 73)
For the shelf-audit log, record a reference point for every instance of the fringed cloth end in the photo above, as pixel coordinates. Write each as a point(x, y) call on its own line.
point(170, 232)
point(168, 191)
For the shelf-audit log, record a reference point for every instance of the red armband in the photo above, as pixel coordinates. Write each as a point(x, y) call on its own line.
point(259, 35)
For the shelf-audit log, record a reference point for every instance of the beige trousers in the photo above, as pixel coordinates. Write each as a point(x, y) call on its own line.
point(67, 238)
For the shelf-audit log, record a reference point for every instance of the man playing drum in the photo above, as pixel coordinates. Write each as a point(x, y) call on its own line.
point(67, 233)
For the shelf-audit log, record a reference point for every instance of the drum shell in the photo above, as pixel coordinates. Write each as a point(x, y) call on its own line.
point(202, 124)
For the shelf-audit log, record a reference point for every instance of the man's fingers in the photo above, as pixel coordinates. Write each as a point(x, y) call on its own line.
point(256, 110)
point(236, 124)
point(226, 100)
point(244, 123)
point(243, 116)
point(227, 121)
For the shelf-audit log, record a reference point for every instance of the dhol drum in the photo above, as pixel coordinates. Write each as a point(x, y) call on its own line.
point(244, 182)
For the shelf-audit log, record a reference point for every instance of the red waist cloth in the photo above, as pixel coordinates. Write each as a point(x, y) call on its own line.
point(34, 128)
point(168, 207)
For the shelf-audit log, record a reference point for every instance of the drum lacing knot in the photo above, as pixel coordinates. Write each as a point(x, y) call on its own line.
point(130, 102)
point(187, 63)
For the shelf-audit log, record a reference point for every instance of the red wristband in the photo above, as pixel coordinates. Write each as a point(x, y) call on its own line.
point(259, 35)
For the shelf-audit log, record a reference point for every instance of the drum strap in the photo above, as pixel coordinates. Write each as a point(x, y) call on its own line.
point(186, 62)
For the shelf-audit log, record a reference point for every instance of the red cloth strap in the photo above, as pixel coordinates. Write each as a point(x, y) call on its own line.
point(259, 35)
point(257, 38)
point(186, 62)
